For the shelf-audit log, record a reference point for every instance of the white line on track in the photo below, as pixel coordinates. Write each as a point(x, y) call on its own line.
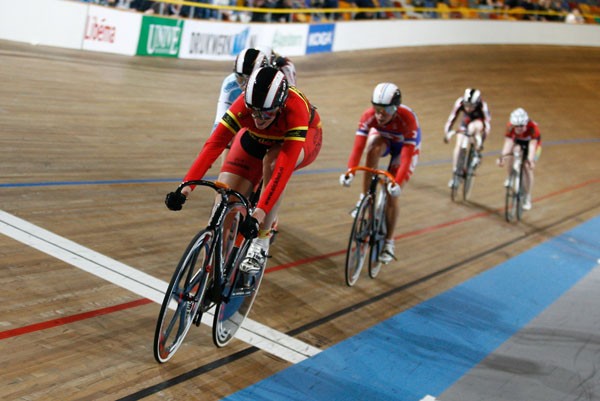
point(122, 275)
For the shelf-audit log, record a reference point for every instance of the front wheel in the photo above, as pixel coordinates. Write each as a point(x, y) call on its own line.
point(380, 230)
point(359, 240)
point(185, 294)
point(512, 199)
point(470, 175)
point(459, 174)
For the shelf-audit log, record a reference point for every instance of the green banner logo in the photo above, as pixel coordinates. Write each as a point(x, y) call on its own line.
point(160, 37)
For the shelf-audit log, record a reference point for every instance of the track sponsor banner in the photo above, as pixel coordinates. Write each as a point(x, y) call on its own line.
point(320, 38)
point(215, 40)
point(160, 37)
point(223, 41)
point(285, 39)
point(112, 31)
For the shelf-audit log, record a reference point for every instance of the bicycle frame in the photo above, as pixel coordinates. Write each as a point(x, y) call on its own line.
point(369, 228)
point(207, 274)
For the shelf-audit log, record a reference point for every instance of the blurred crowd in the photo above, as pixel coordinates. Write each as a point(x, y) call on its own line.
point(537, 10)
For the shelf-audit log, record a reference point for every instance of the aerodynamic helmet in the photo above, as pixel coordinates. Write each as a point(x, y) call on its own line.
point(472, 97)
point(386, 94)
point(249, 60)
point(267, 89)
point(519, 117)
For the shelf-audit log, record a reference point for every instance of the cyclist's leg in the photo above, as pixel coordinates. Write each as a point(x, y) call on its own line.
point(476, 131)
point(377, 147)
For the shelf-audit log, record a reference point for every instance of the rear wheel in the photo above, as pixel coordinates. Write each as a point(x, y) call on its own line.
point(185, 294)
point(359, 240)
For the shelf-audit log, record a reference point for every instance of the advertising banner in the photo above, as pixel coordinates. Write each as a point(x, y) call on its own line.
point(285, 39)
point(215, 40)
point(160, 37)
point(223, 41)
point(320, 38)
point(112, 31)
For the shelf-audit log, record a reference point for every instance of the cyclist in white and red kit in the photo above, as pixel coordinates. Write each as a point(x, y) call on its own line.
point(475, 122)
point(521, 130)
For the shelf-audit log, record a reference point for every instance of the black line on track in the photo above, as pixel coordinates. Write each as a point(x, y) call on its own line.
point(251, 350)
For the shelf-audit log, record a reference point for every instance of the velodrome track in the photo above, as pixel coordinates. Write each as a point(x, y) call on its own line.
point(92, 142)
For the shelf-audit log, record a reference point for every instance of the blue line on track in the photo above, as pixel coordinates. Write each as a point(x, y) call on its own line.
point(300, 172)
point(427, 348)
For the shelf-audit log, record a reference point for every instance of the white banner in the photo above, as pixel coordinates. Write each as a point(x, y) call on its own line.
point(112, 31)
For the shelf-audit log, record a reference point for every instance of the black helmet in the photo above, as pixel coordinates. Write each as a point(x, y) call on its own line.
point(267, 89)
point(249, 60)
point(472, 96)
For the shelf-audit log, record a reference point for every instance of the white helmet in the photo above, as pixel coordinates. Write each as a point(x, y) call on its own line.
point(519, 117)
point(386, 94)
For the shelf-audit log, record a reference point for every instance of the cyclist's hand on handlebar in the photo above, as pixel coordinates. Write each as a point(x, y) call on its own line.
point(249, 227)
point(394, 189)
point(346, 180)
point(448, 135)
point(175, 200)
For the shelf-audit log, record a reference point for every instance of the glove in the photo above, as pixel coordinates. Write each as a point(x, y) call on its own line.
point(346, 180)
point(447, 136)
point(249, 227)
point(175, 200)
point(394, 189)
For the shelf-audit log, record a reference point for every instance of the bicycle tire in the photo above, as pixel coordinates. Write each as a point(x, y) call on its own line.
point(458, 174)
point(520, 194)
point(232, 309)
point(187, 289)
point(510, 209)
point(469, 174)
point(231, 314)
point(359, 240)
point(380, 230)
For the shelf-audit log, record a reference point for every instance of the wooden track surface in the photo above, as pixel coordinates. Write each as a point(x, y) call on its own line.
point(91, 143)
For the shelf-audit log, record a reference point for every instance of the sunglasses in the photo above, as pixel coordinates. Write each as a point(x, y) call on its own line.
point(385, 110)
point(264, 114)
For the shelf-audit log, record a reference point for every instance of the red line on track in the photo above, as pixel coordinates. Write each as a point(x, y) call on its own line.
point(133, 304)
point(73, 318)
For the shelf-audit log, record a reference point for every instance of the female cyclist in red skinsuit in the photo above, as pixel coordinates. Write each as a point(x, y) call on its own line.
point(275, 130)
point(521, 129)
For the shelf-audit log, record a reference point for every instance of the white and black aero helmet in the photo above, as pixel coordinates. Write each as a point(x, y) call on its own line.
point(519, 117)
point(472, 96)
point(386, 94)
point(267, 89)
point(249, 60)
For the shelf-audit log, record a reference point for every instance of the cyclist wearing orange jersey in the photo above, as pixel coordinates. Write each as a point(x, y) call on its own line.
point(275, 130)
point(387, 128)
point(520, 129)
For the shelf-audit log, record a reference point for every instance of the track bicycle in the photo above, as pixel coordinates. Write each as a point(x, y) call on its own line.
point(515, 189)
point(207, 276)
point(466, 163)
point(369, 228)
